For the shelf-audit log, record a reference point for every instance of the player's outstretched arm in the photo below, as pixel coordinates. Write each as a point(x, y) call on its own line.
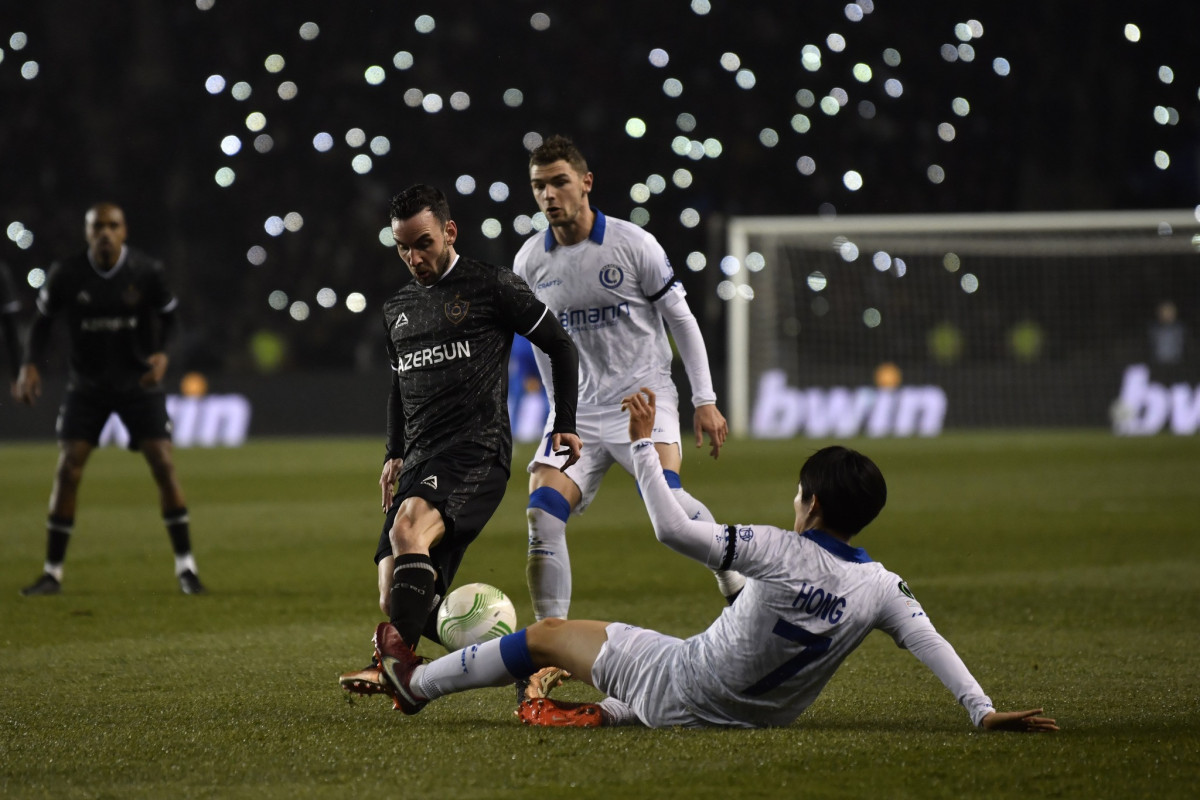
point(672, 526)
point(1029, 721)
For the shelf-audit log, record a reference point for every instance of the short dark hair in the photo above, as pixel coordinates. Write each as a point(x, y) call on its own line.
point(417, 198)
point(558, 148)
point(848, 485)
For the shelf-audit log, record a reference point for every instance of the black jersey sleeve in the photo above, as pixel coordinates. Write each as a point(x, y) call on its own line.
point(395, 421)
point(395, 408)
point(517, 302)
point(160, 301)
point(552, 340)
point(52, 296)
point(160, 296)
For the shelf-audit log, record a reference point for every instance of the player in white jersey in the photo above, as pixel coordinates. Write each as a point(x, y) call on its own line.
point(612, 286)
point(809, 600)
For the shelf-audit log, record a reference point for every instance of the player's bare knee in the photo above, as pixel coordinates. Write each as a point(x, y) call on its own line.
point(400, 537)
point(540, 635)
point(407, 535)
point(69, 472)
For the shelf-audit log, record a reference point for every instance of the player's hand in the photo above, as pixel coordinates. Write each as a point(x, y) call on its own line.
point(569, 445)
point(387, 480)
point(708, 419)
point(1020, 721)
point(640, 406)
point(158, 368)
point(28, 387)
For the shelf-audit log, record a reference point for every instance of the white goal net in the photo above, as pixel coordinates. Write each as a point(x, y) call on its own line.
point(906, 325)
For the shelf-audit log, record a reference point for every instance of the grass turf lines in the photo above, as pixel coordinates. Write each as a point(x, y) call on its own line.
point(1064, 567)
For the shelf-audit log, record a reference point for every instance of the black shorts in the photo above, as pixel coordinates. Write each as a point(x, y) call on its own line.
point(83, 415)
point(466, 486)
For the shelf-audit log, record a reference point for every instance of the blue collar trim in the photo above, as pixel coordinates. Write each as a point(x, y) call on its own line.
point(596, 234)
point(838, 547)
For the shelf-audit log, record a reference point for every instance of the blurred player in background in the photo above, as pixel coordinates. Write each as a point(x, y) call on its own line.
point(809, 600)
point(612, 287)
point(119, 315)
point(527, 403)
point(449, 444)
point(10, 306)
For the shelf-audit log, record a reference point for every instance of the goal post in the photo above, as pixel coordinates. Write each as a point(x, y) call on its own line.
point(905, 324)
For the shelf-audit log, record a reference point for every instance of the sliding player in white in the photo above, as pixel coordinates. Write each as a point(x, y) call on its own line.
point(612, 286)
point(810, 599)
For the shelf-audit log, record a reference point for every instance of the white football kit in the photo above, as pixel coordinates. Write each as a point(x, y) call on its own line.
point(809, 601)
point(612, 293)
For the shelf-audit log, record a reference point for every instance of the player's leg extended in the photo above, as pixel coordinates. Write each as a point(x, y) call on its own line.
point(81, 417)
point(497, 662)
point(417, 527)
point(68, 473)
point(552, 497)
point(73, 456)
point(159, 454)
point(385, 568)
point(729, 581)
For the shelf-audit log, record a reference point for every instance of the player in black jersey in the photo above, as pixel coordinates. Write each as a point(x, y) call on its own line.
point(10, 304)
point(449, 443)
point(119, 314)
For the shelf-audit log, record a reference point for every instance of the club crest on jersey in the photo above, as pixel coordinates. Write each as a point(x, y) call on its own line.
point(745, 534)
point(431, 482)
point(456, 310)
point(611, 276)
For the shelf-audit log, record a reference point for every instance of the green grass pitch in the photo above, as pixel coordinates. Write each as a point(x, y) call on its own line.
point(1064, 567)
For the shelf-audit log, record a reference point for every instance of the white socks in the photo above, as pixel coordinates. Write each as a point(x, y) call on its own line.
point(548, 568)
point(472, 667)
point(184, 563)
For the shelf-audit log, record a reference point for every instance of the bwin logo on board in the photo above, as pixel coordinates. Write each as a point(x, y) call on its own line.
point(782, 411)
point(214, 420)
point(1145, 408)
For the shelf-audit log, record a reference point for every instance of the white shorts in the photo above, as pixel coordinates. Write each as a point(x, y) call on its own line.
point(633, 666)
point(605, 436)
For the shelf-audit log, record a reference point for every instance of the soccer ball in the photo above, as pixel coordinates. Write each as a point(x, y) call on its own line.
point(474, 613)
